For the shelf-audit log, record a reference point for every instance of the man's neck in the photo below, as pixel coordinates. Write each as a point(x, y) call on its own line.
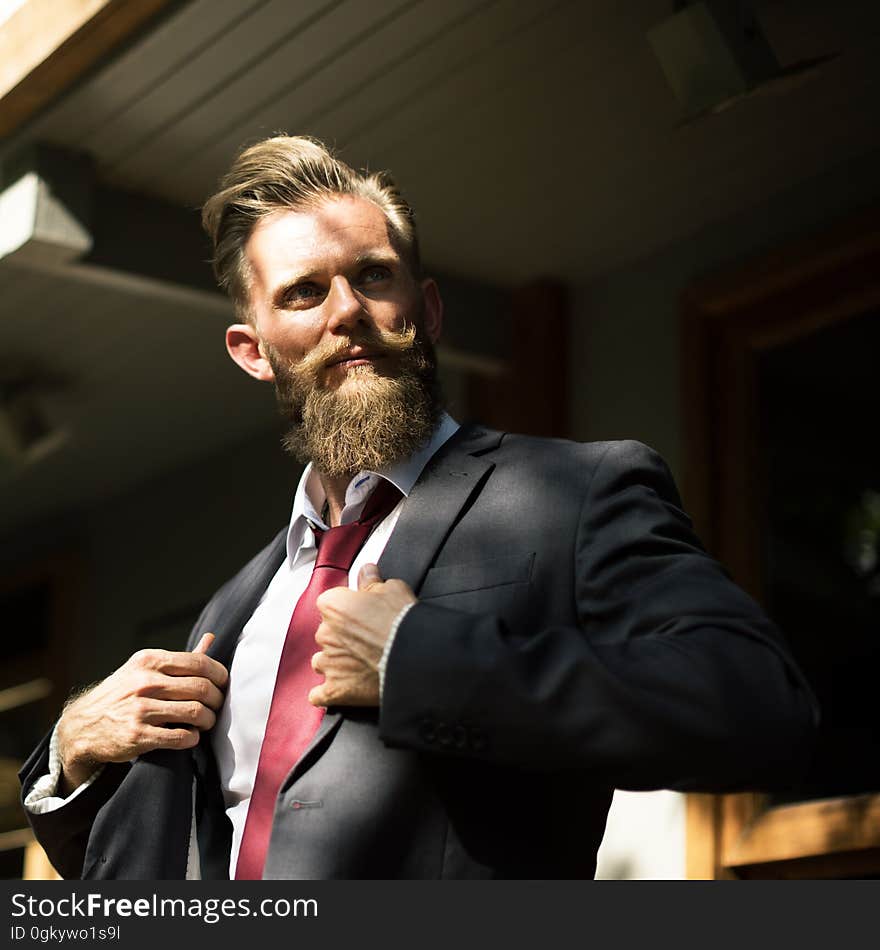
point(335, 489)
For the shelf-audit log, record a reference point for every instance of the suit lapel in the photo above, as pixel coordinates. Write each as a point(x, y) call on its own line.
point(447, 485)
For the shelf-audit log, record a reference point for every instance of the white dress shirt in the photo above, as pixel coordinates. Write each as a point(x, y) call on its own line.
point(241, 723)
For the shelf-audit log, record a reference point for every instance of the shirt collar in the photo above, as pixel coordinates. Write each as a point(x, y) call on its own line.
point(309, 498)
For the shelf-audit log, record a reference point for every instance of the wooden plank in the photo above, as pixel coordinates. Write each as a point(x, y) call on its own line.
point(120, 84)
point(320, 43)
point(207, 74)
point(23, 693)
point(17, 838)
point(408, 78)
point(806, 830)
point(47, 44)
point(428, 99)
point(37, 866)
point(839, 865)
point(351, 79)
point(702, 857)
point(508, 75)
point(35, 31)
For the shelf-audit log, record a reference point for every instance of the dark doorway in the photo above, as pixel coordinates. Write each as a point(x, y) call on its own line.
point(819, 406)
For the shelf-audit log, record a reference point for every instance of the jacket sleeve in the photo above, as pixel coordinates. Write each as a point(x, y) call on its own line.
point(64, 832)
point(672, 676)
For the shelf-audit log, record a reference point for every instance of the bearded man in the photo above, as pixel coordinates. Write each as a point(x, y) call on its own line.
point(548, 627)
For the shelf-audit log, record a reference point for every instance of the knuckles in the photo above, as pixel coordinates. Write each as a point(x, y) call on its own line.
point(134, 734)
point(202, 691)
point(322, 635)
point(138, 708)
point(181, 738)
point(143, 682)
point(149, 659)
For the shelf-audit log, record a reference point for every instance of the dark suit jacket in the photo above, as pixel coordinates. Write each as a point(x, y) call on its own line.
point(571, 637)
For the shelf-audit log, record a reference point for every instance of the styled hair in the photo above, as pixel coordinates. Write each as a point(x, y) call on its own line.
point(291, 172)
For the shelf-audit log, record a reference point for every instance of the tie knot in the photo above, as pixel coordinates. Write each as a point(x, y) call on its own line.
point(338, 547)
point(381, 502)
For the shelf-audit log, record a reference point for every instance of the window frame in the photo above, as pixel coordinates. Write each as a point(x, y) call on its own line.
point(727, 321)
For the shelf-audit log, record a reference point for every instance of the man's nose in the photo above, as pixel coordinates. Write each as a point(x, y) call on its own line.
point(344, 306)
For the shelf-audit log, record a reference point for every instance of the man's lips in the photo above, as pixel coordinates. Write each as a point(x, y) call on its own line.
point(355, 357)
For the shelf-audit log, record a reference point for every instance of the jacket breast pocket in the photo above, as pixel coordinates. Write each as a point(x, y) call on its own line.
point(484, 576)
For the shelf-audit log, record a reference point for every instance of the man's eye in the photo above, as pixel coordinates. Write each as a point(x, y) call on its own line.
point(372, 275)
point(302, 293)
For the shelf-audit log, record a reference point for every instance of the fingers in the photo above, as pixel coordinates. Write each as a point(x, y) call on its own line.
point(351, 694)
point(159, 686)
point(181, 664)
point(324, 636)
point(344, 602)
point(203, 644)
point(334, 601)
point(157, 712)
point(368, 575)
point(160, 737)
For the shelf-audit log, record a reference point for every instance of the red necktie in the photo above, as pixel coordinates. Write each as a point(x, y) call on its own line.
point(293, 720)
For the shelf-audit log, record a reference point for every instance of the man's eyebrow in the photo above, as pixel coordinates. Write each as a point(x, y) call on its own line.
point(377, 257)
point(277, 296)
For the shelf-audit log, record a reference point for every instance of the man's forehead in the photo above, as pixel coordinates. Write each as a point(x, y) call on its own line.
point(346, 225)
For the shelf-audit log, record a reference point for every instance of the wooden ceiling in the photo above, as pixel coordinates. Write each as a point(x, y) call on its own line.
point(533, 136)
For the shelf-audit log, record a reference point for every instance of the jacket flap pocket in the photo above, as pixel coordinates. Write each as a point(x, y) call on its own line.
point(478, 575)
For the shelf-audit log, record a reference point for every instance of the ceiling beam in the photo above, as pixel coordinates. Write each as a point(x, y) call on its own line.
point(46, 45)
point(46, 208)
point(54, 212)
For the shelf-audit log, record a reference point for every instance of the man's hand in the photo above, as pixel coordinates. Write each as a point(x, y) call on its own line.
point(156, 700)
point(352, 635)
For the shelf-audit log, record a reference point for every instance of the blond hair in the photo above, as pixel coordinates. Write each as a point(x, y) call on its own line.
point(289, 173)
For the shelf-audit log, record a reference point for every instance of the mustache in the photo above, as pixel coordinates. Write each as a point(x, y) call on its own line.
point(376, 341)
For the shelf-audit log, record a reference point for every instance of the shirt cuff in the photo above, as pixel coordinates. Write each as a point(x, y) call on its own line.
point(43, 796)
point(383, 661)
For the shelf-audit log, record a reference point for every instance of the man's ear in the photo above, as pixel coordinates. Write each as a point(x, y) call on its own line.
point(433, 309)
point(243, 345)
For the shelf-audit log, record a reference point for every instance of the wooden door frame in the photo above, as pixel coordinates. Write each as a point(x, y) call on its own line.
point(728, 321)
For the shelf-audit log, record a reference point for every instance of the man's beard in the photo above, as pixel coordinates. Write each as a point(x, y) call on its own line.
point(370, 419)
